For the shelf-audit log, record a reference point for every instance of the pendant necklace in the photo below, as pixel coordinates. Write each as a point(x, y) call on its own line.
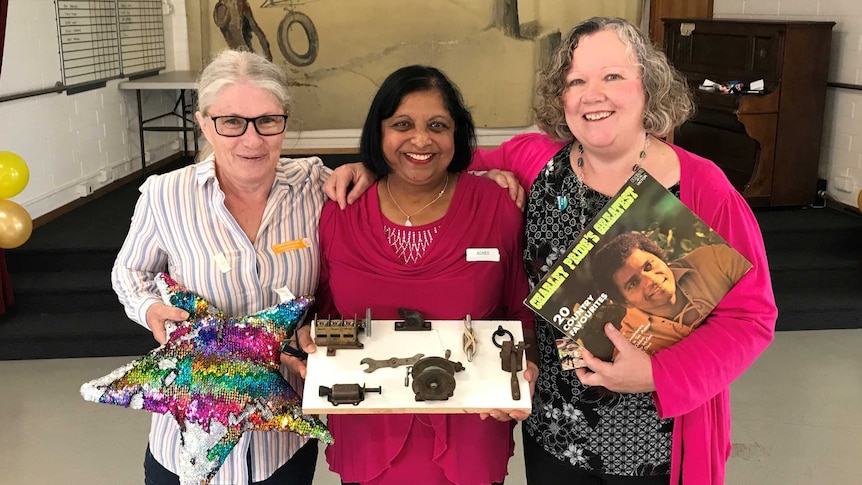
point(582, 186)
point(408, 216)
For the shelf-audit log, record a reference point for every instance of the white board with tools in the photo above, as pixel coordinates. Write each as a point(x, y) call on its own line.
point(482, 385)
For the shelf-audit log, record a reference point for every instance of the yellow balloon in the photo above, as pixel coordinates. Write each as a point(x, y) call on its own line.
point(14, 175)
point(15, 224)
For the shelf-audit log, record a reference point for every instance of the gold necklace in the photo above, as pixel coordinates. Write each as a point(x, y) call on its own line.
point(408, 216)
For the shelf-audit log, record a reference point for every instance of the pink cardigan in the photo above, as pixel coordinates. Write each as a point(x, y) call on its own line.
point(692, 378)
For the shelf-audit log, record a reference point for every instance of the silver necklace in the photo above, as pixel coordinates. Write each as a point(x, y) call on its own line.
point(408, 216)
point(582, 185)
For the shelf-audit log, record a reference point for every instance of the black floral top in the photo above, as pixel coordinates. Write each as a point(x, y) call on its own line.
point(589, 428)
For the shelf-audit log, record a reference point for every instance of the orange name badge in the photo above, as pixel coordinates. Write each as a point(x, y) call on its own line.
point(286, 246)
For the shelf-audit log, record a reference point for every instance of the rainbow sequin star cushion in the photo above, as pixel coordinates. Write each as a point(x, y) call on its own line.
point(218, 376)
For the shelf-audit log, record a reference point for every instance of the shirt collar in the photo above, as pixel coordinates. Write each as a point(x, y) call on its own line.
point(287, 172)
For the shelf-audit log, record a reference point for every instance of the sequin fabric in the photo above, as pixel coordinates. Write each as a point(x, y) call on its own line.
point(218, 376)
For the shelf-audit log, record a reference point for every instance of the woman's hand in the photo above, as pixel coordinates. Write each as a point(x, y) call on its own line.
point(531, 373)
point(157, 314)
point(342, 178)
point(630, 372)
point(295, 365)
point(507, 180)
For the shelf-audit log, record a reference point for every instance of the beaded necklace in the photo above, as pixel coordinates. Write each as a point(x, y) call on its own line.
point(582, 186)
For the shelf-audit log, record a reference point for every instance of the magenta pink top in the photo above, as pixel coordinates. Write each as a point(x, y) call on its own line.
point(360, 269)
point(692, 377)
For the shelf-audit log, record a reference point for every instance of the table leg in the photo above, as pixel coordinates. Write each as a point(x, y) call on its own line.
point(185, 121)
point(141, 132)
point(192, 104)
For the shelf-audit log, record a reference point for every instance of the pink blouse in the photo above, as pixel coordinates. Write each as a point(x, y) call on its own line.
point(360, 269)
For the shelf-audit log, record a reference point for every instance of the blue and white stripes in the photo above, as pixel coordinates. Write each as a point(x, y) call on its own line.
point(181, 225)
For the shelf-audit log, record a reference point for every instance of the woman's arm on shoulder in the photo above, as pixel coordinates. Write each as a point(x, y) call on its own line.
point(348, 182)
point(524, 155)
point(515, 163)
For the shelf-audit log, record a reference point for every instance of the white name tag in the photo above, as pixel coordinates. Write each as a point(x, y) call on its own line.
point(221, 262)
point(284, 294)
point(483, 254)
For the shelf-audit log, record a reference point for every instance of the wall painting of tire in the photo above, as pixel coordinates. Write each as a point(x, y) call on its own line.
point(297, 35)
point(336, 52)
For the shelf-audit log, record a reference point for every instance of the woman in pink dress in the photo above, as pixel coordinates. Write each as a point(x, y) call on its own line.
point(404, 244)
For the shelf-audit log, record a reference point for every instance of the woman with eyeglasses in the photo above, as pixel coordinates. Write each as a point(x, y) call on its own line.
point(238, 227)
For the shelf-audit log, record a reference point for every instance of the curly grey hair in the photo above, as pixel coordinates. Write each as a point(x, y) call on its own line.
point(668, 100)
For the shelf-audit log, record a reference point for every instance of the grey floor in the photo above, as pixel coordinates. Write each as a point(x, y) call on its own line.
point(796, 420)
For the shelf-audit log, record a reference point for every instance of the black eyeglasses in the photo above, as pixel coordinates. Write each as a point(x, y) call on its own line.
point(266, 125)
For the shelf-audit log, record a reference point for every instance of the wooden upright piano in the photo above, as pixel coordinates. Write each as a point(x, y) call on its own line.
point(767, 143)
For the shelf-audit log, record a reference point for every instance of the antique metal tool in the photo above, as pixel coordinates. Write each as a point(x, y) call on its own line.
point(511, 358)
point(346, 393)
point(413, 321)
point(337, 334)
point(373, 364)
point(468, 340)
point(433, 378)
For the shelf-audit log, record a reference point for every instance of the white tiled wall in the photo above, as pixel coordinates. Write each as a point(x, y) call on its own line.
point(40, 56)
point(68, 139)
point(176, 34)
point(841, 155)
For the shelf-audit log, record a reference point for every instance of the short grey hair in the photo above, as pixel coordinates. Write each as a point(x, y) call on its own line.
point(231, 67)
point(668, 99)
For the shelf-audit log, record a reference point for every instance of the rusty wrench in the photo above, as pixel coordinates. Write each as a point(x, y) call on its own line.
point(373, 364)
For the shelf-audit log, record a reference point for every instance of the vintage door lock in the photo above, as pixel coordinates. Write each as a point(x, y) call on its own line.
point(511, 358)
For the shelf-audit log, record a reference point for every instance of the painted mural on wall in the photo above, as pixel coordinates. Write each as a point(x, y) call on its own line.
point(295, 20)
point(236, 21)
point(337, 52)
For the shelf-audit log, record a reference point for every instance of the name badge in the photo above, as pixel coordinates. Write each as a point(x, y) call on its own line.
point(483, 254)
point(286, 246)
point(221, 262)
point(284, 294)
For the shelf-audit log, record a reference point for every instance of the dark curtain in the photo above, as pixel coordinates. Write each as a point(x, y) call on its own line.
point(4, 4)
point(6, 296)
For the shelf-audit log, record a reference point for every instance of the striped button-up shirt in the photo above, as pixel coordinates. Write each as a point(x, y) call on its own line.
point(181, 225)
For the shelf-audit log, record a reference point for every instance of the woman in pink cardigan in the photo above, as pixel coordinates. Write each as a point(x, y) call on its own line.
point(606, 98)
